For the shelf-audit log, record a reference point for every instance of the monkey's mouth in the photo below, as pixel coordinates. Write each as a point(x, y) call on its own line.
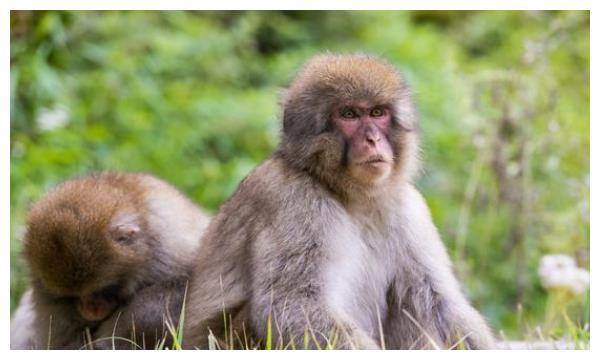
point(97, 306)
point(373, 160)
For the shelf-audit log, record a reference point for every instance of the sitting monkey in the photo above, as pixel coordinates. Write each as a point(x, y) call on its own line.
point(328, 243)
point(109, 256)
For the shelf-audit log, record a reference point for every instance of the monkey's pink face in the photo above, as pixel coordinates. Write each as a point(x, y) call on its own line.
point(97, 306)
point(365, 128)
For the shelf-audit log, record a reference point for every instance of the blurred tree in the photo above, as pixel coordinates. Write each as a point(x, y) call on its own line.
point(191, 96)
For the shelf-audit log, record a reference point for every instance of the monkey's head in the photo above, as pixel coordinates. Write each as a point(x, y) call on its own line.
point(84, 242)
point(349, 121)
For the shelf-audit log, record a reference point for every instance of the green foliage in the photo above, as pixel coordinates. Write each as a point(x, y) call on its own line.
point(192, 97)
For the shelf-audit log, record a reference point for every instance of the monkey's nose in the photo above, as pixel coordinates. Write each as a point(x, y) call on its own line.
point(372, 137)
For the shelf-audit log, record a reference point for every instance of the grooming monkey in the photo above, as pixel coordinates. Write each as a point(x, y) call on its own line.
point(109, 254)
point(328, 243)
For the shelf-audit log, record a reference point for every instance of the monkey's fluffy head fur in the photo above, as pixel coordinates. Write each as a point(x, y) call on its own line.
point(68, 242)
point(327, 81)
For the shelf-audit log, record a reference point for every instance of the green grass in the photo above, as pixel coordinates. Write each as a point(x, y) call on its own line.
point(576, 337)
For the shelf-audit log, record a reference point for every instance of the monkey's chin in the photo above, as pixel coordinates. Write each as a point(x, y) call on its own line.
point(371, 173)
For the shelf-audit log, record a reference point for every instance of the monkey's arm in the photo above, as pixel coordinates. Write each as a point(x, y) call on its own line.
point(51, 323)
point(426, 304)
point(142, 323)
point(216, 290)
point(22, 325)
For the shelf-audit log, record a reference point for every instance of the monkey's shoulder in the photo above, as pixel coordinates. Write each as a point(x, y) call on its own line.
point(273, 191)
point(275, 180)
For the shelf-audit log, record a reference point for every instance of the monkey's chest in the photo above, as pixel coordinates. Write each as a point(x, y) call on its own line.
point(357, 280)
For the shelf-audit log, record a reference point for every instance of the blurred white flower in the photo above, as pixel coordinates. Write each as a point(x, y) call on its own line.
point(561, 272)
point(531, 51)
point(552, 163)
point(18, 149)
point(553, 126)
point(513, 168)
point(54, 118)
point(479, 141)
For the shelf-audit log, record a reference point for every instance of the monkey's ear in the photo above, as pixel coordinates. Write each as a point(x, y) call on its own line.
point(124, 228)
point(125, 233)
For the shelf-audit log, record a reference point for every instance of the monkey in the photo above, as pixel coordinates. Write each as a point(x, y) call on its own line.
point(109, 256)
point(328, 244)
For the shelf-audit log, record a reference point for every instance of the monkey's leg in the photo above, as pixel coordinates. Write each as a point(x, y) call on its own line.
point(424, 318)
point(290, 293)
point(301, 321)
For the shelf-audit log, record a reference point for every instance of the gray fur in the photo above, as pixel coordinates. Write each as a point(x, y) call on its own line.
point(284, 246)
point(305, 245)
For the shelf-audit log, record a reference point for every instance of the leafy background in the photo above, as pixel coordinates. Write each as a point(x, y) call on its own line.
point(193, 98)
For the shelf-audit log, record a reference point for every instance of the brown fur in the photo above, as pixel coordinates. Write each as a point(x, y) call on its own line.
point(326, 81)
point(311, 249)
point(77, 232)
point(74, 248)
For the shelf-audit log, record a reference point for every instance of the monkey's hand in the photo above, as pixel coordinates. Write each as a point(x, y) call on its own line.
point(362, 341)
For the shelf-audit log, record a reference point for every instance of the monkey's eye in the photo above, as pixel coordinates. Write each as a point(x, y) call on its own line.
point(348, 113)
point(377, 112)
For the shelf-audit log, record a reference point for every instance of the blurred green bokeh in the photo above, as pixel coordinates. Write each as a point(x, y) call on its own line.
point(192, 97)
